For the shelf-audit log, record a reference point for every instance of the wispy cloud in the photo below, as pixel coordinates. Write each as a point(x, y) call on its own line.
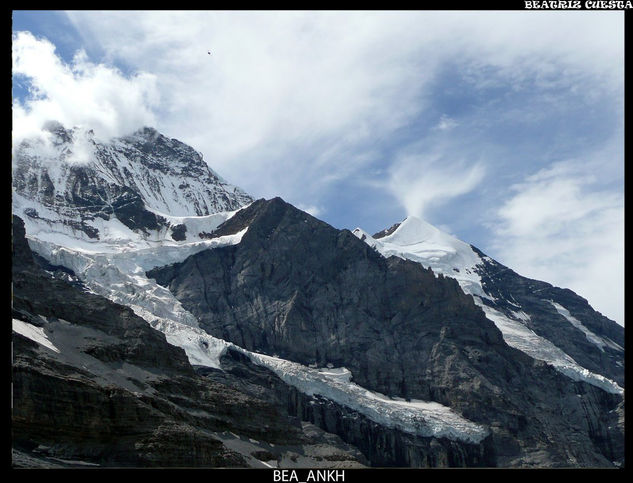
point(278, 82)
point(562, 226)
point(421, 182)
point(446, 123)
point(311, 106)
point(81, 93)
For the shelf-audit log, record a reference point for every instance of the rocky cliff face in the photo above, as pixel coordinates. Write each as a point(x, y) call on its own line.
point(548, 323)
point(343, 304)
point(279, 341)
point(300, 289)
point(593, 341)
point(94, 384)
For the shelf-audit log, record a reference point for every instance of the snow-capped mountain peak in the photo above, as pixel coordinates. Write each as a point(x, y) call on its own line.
point(418, 240)
point(415, 230)
point(526, 320)
point(69, 182)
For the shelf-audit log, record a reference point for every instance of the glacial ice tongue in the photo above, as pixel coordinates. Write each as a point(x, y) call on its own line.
point(423, 418)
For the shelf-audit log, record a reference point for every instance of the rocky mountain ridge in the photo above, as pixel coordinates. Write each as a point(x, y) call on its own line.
point(398, 328)
point(548, 323)
point(402, 360)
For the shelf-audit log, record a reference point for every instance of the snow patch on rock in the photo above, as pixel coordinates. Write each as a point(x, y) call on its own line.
point(36, 334)
point(600, 342)
point(417, 240)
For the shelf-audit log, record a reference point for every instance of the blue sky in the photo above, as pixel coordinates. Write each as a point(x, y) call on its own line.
point(502, 128)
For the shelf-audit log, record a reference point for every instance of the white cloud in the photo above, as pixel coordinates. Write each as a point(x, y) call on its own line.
point(95, 96)
point(311, 209)
point(562, 227)
point(446, 123)
point(280, 83)
point(422, 181)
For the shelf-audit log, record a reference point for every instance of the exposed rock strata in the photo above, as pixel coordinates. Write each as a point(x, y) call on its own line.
point(302, 290)
point(511, 290)
point(115, 393)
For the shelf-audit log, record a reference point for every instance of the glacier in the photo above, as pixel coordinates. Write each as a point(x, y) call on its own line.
point(423, 418)
point(115, 263)
point(115, 267)
point(419, 241)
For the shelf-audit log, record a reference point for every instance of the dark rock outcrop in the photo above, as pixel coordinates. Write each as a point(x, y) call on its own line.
point(298, 288)
point(512, 292)
point(113, 392)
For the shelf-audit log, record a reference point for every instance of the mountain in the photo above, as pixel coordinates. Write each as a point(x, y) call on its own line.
point(68, 183)
point(94, 385)
point(546, 322)
point(407, 348)
point(296, 288)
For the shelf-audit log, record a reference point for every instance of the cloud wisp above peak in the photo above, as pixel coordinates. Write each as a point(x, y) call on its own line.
point(425, 181)
point(361, 117)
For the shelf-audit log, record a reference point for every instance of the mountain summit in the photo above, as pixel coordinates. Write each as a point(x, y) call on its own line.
point(296, 344)
point(548, 323)
point(70, 183)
